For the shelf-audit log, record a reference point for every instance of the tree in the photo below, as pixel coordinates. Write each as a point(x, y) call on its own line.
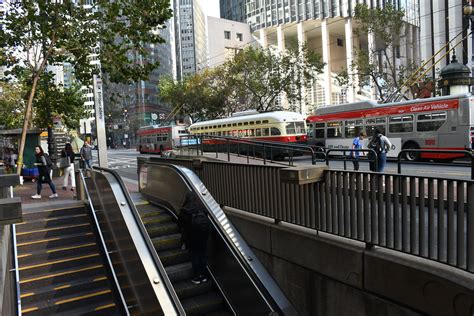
point(11, 104)
point(377, 65)
point(263, 75)
point(38, 33)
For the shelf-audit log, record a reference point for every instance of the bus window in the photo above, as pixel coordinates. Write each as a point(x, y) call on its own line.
point(401, 124)
point(275, 131)
point(334, 129)
point(353, 128)
point(290, 128)
point(430, 122)
point(258, 132)
point(265, 132)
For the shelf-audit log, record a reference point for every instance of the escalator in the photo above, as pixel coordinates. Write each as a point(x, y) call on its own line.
point(196, 299)
point(61, 269)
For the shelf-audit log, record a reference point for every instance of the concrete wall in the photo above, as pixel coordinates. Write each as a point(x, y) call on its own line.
point(328, 275)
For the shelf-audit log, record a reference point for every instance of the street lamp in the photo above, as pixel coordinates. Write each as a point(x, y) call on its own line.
point(468, 11)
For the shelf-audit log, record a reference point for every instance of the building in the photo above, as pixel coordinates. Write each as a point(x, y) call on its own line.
point(233, 10)
point(225, 38)
point(440, 23)
point(190, 37)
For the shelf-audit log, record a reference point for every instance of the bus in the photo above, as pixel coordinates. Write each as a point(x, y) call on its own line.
point(279, 126)
point(157, 139)
point(440, 123)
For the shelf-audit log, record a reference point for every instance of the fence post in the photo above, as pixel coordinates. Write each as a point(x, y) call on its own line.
point(228, 149)
point(345, 160)
point(265, 154)
point(472, 166)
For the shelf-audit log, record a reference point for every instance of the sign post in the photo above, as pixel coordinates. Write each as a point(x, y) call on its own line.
point(100, 122)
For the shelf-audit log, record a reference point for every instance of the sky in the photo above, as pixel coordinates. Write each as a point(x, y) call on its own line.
point(210, 7)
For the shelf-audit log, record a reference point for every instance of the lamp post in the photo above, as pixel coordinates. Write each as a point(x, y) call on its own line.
point(468, 11)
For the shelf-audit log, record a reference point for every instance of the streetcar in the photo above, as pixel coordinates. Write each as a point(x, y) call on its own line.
point(280, 126)
point(160, 138)
point(440, 123)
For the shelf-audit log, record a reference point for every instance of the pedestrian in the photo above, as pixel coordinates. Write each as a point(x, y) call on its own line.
point(13, 159)
point(68, 155)
point(44, 164)
point(195, 226)
point(86, 155)
point(357, 144)
point(381, 145)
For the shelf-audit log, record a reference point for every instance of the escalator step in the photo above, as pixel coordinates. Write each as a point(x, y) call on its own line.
point(163, 229)
point(159, 219)
point(203, 304)
point(53, 213)
point(167, 242)
point(173, 256)
point(179, 272)
point(186, 288)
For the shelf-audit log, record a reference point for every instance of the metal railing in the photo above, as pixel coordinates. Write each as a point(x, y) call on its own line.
point(429, 217)
point(372, 156)
point(403, 153)
point(255, 149)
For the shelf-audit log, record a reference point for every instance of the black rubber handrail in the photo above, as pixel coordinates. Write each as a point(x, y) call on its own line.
point(146, 238)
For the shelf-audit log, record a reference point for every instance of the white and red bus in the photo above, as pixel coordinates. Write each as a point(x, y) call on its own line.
point(441, 123)
point(280, 126)
point(157, 139)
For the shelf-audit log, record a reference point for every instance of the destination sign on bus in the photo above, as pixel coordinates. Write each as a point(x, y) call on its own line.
point(388, 110)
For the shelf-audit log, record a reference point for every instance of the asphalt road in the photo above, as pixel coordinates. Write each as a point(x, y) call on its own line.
point(125, 162)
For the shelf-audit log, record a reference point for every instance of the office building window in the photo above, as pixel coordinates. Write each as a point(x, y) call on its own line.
point(240, 37)
point(227, 35)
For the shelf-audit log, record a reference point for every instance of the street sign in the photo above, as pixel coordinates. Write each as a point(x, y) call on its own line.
point(154, 117)
point(100, 121)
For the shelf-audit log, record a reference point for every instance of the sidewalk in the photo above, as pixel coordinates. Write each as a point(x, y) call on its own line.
point(28, 189)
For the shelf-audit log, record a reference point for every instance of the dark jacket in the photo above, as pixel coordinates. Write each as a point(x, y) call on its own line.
point(192, 232)
point(43, 168)
point(69, 155)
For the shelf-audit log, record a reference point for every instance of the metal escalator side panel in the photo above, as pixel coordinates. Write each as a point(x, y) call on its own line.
point(243, 279)
point(142, 285)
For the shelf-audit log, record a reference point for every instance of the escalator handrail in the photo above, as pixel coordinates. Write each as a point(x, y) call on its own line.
point(16, 270)
point(95, 222)
point(146, 238)
point(237, 253)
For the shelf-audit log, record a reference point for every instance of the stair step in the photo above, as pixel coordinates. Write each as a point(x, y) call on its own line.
point(49, 255)
point(59, 290)
point(28, 271)
point(53, 232)
point(179, 272)
point(32, 283)
point(173, 256)
point(186, 288)
point(54, 213)
point(203, 304)
point(145, 213)
point(167, 242)
point(51, 222)
point(85, 301)
point(159, 219)
point(55, 242)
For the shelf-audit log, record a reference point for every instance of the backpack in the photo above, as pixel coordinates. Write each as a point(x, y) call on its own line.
point(49, 162)
point(200, 222)
point(376, 144)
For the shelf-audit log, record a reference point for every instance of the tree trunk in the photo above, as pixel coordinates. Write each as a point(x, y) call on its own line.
point(28, 112)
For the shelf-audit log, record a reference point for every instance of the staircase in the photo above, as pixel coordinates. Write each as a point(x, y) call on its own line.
point(197, 299)
point(60, 264)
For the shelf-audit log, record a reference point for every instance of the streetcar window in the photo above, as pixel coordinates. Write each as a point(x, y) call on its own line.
point(250, 132)
point(320, 125)
point(299, 128)
point(251, 123)
point(181, 132)
point(290, 128)
point(319, 133)
point(265, 132)
point(229, 125)
point(258, 132)
point(258, 122)
point(334, 129)
point(265, 122)
point(215, 126)
point(275, 131)
point(239, 124)
point(219, 126)
point(246, 123)
point(234, 124)
point(430, 122)
point(401, 124)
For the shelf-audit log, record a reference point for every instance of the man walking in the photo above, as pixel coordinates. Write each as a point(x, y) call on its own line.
point(86, 155)
point(357, 144)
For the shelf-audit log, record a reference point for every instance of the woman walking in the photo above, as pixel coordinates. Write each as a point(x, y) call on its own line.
point(44, 169)
point(68, 154)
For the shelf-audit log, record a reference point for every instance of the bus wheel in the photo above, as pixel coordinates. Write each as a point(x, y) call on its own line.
point(411, 156)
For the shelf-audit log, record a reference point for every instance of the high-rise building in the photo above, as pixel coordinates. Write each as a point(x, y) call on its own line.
point(190, 37)
point(232, 10)
point(441, 28)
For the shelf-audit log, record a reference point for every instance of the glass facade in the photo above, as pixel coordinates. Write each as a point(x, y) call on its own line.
point(232, 10)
